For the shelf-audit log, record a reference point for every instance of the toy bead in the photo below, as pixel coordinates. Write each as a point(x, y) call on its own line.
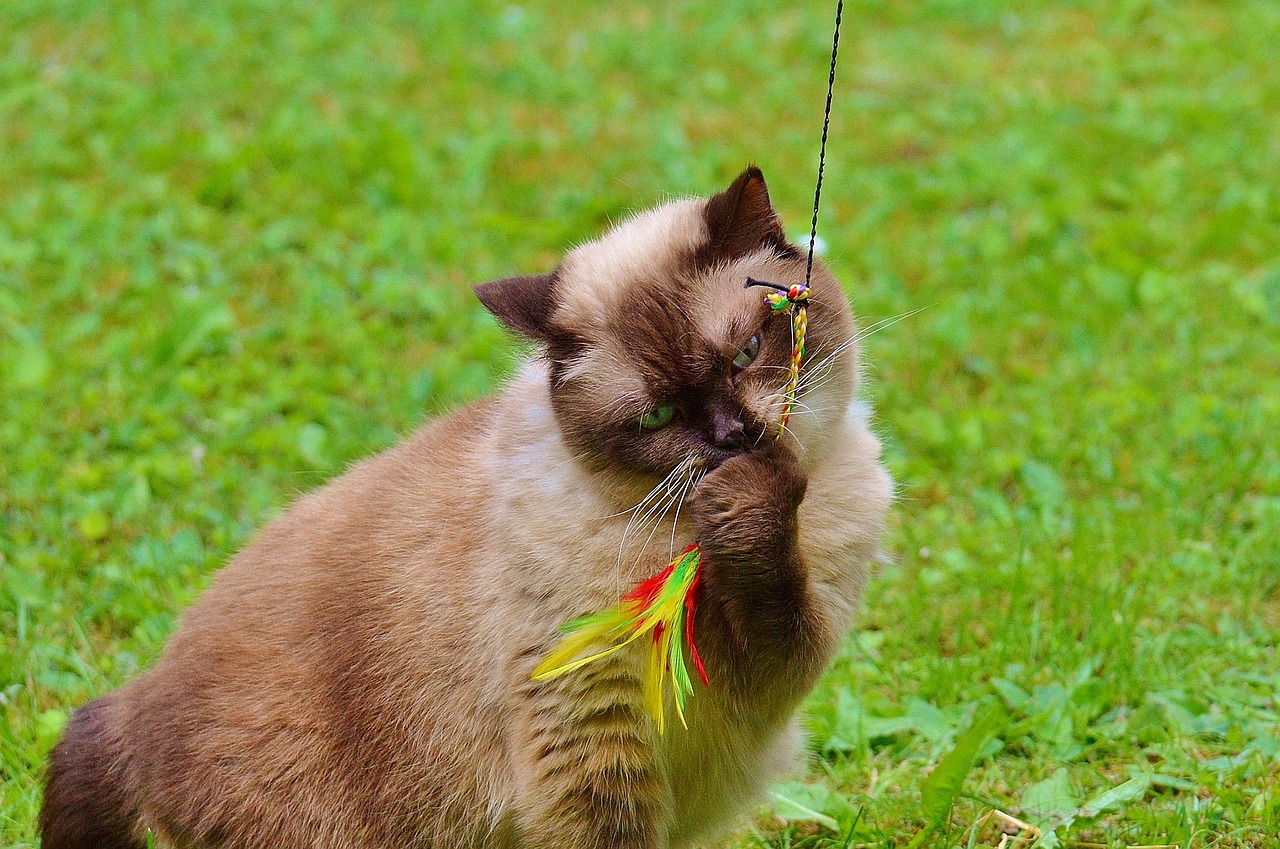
point(664, 606)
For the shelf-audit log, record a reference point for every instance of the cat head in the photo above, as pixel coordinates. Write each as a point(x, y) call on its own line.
point(658, 355)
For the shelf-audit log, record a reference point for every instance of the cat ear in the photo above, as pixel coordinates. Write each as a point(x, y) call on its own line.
point(523, 304)
point(741, 220)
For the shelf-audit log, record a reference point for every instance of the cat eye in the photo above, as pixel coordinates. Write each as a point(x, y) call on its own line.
point(658, 417)
point(748, 354)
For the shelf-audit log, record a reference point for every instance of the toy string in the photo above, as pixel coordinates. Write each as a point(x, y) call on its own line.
point(664, 605)
point(822, 148)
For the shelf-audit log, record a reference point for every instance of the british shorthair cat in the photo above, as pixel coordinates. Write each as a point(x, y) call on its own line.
point(359, 675)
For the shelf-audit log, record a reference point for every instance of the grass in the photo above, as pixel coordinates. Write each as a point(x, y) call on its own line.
point(235, 245)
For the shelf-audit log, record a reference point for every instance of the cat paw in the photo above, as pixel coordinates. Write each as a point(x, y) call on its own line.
point(751, 498)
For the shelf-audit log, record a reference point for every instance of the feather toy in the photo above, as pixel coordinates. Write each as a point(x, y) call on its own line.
point(663, 606)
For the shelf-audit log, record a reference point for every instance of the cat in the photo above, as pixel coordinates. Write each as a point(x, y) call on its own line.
point(360, 674)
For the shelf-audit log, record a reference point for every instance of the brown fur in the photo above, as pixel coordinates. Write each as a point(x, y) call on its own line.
point(358, 676)
point(84, 800)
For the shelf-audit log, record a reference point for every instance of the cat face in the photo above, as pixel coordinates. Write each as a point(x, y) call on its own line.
point(658, 355)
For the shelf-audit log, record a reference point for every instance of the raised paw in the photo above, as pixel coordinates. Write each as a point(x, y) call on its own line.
point(749, 502)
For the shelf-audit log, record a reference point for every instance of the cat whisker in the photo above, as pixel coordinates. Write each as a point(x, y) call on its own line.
point(799, 408)
point(815, 383)
point(816, 374)
point(662, 503)
point(777, 406)
point(670, 484)
point(675, 523)
point(824, 366)
point(863, 333)
point(675, 500)
point(820, 375)
point(654, 496)
point(654, 515)
point(641, 503)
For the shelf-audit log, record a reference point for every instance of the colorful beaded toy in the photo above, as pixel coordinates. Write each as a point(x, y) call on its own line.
point(664, 605)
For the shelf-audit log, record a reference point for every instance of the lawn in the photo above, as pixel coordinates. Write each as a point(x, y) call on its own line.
point(236, 241)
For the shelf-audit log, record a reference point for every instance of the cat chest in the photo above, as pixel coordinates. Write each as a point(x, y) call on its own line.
point(720, 767)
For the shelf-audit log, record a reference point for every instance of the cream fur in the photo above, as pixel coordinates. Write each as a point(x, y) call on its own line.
point(597, 273)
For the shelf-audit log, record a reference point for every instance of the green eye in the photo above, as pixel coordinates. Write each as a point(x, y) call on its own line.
point(658, 417)
point(748, 354)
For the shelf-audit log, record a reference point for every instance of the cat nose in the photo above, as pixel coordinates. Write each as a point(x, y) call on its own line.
point(729, 431)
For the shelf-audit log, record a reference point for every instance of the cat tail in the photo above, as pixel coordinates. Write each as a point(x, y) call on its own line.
point(85, 803)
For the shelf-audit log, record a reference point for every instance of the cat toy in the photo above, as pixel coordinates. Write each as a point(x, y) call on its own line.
point(664, 605)
point(661, 609)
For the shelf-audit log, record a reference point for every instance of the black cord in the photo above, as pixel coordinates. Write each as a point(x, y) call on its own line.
point(751, 281)
point(822, 152)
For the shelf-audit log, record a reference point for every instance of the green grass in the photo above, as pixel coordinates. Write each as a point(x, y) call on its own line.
point(235, 245)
